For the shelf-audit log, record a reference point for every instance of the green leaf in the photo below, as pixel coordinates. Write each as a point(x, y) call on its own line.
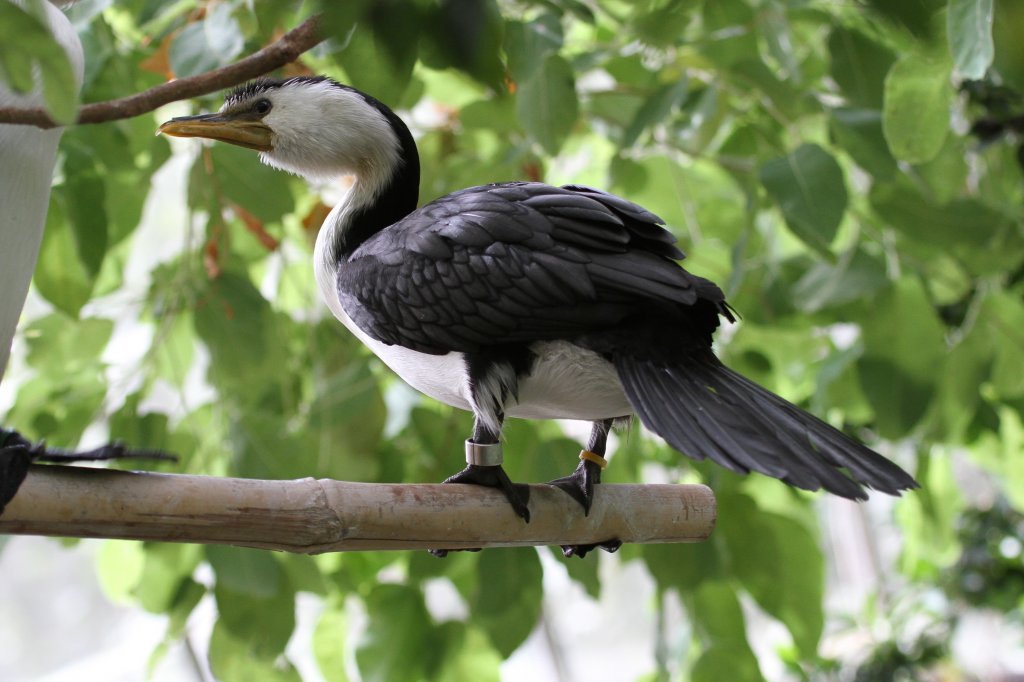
point(778, 561)
point(256, 187)
point(507, 600)
point(84, 193)
point(859, 133)
point(145, 430)
point(583, 572)
point(264, 623)
point(1002, 318)
point(529, 44)
point(655, 109)
point(969, 31)
point(166, 568)
point(347, 418)
point(236, 324)
point(968, 365)
point(662, 22)
point(27, 44)
point(466, 35)
point(60, 347)
point(546, 103)
point(467, 655)
point(238, 658)
point(381, 51)
point(855, 276)
point(985, 240)
point(903, 346)
point(729, 27)
point(859, 66)
point(252, 572)
point(928, 517)
point(330, 640)
point(916, 111)
point(715, 612)
point(119, 566)
point(809, 189)
point(206, 45)
point(61, 276)
point(398, 644)
point(915, 16)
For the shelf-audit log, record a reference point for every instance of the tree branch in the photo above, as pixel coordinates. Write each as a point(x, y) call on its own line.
point(314, 516)
point(282, 51)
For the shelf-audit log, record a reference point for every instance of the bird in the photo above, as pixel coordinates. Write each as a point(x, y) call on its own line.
point(527, 300)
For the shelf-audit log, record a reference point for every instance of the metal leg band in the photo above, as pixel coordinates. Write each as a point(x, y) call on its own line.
point(484, 454)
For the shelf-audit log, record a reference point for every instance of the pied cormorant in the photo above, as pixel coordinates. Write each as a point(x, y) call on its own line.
point(520, 299)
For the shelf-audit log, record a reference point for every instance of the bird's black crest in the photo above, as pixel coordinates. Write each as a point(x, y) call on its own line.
point(259, 86)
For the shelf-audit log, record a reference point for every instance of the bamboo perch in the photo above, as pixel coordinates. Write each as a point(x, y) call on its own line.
point(313, 516)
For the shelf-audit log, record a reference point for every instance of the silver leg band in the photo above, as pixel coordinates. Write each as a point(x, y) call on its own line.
point(484, 454)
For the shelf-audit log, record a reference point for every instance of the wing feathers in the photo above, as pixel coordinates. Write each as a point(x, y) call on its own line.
point(704, 410)
point(520, 261)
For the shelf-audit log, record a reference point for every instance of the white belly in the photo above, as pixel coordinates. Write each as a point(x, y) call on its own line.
point(566, 382)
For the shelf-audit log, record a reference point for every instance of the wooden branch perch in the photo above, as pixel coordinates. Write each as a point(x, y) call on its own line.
point(313, 516)
point(284, 50)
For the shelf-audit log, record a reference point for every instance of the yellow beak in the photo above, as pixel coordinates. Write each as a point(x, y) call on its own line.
point(244, 133)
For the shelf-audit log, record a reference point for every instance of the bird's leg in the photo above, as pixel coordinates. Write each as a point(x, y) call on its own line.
point(580, 483)
point(483, 467)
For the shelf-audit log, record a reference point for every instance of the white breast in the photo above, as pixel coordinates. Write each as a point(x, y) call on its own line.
point(566, 382)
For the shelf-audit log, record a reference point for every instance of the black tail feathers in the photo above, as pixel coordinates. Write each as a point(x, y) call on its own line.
point(704, 409)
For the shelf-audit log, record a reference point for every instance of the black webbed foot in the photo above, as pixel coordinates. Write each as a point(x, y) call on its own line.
point(610, 546)
point(494, 476)
point(579, 485)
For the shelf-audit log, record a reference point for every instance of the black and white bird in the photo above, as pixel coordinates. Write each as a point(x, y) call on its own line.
point(521, 299)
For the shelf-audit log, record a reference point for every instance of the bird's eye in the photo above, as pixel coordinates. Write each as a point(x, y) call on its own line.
point(262, 106)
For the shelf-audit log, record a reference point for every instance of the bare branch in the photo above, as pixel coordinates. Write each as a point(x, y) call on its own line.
point(314, 516)
point(282, 51)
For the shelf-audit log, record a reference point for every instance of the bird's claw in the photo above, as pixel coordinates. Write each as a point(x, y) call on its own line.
point(579, 485)
point(610, 546)
point(492, 476)
point(518, 495)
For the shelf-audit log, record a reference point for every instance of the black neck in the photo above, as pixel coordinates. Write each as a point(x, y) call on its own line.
point(395, 200)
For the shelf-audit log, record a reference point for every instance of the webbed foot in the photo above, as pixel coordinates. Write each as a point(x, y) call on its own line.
point(484, 468)
point(493, 476)
point(579, 485)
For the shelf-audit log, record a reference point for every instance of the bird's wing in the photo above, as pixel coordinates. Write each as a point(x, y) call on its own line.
point(514, 263)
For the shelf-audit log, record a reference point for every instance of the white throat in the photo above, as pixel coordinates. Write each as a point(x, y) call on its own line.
point(323, 132)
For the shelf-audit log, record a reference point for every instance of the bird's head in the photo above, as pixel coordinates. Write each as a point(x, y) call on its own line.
point(310, 126)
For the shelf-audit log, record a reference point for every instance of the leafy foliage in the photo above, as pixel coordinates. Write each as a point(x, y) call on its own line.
point(812, 158)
